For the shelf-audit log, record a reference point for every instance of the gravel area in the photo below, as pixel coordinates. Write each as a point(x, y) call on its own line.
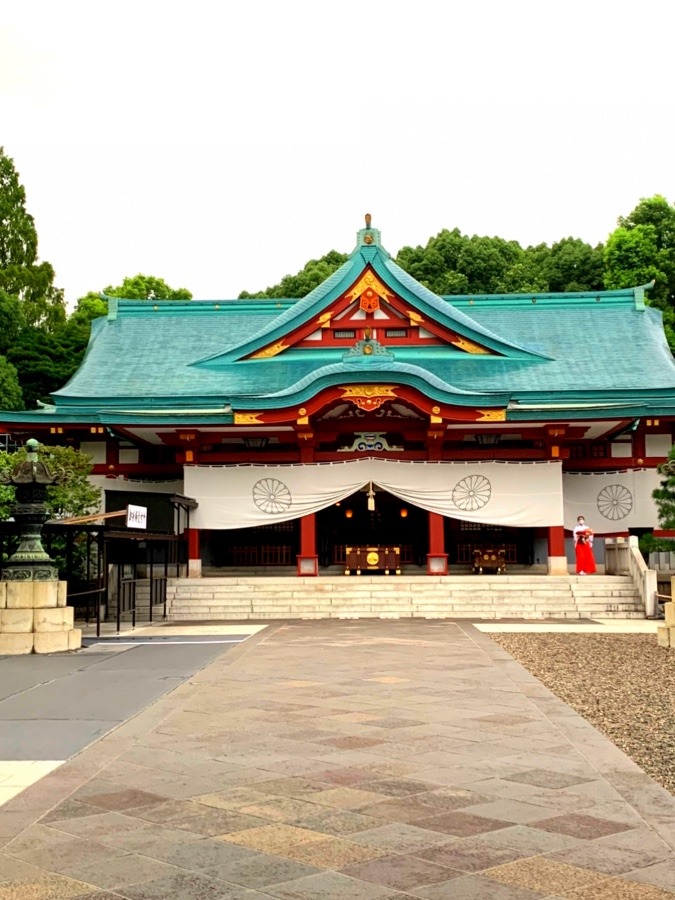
point(623, 684)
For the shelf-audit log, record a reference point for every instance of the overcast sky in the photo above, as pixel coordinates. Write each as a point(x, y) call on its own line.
point(222, 145)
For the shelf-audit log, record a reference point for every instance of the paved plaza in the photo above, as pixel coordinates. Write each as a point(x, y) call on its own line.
point(368, 760)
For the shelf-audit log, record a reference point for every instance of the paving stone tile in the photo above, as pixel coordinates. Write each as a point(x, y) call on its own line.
point(273, 838)
point(477, 887)
point(260, 870)
point(328, 886)
point(47, 887)
point(332, 853)
point(335, 822)
point(660, 874)
point(346, 798)
point(197, 854)
point(98, 895)
point(472, 854)
point(157, 841)
point(400, 872)
point(122, 800)
point(617, 889)
point(291, 787)
point(69, 809)
point(546, 779)
point(200, 819)
point(610, 860)
point(122, 870)
point(36, 838)
point(446, 799)
point(399, 838)
point(513, 811)
point(234, 799)
point(524, 837)
point(540, 874)
point(184, 886)
point(64, 856)
point(581, 826)
point(461, 823)
point(344, 776)
point(280, 809)
point(98, 826)
point(16, 869)
point(352, 742)
point(395, 787)
point(399, 810)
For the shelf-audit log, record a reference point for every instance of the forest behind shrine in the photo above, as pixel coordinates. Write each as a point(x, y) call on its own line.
point(42, 342)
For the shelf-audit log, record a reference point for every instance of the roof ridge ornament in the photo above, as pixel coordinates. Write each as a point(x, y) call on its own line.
point(368, 236)
point(367, 351)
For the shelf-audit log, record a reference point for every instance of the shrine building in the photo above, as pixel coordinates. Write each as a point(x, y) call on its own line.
point(375, 414)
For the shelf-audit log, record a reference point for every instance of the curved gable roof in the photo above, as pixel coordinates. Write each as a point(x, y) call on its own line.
point(369, 253)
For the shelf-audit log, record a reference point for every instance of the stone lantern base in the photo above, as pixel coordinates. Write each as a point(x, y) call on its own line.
point(34, 618)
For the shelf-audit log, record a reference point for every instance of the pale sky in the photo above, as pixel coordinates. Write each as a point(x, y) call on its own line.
point(222, 145)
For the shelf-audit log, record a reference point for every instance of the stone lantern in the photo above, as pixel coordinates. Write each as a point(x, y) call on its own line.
point(34, 617)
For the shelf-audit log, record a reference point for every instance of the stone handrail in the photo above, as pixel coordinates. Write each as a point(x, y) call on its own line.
point(623, 557)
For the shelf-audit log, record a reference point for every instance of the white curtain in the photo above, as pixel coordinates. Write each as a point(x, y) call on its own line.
point(612, 502)
point(520, 494)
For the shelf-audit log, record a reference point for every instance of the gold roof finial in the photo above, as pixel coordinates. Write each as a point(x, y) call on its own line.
point(368, 220)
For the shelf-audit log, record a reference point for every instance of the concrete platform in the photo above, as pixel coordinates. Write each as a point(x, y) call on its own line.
point(360, 759)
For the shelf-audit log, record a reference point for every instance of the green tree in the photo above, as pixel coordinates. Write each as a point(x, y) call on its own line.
point(665, 493)
point(75, 497)
point(21, 275)
point(573, 265)
point(642, 248)
point(11, 395)
point(147, 287)
point(46, 361)
point(139, 287)
point(296, 286)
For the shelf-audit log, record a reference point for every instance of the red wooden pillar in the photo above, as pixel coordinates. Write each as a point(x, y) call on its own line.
point(557, 558)
point(639, 446)
point(308, 561)
point(437, 558)
point(194, 553)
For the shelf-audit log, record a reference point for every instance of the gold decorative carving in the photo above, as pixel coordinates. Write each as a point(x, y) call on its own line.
point(491, 415)
point(270, 350)
point(369, 280)
point(415, 317)
point(368, 390)
point(435, 420)
point(302, 420)
point(247, 418)
point(469, 346)
point(302, 411)
point(324, 319)
point(368, 239)
point(368, 404)
point(436, 410)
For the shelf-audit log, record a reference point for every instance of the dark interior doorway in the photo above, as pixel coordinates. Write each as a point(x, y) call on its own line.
point(392, 522)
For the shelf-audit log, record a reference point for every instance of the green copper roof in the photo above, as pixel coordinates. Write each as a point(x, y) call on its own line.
point(168, 361)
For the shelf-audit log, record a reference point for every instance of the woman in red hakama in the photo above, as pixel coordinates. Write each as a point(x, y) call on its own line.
point(583, 548)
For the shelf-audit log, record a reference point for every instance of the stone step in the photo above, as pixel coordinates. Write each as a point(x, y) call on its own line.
point(368, 596)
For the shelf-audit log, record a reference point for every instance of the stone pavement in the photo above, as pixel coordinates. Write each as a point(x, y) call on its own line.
point(368, 760)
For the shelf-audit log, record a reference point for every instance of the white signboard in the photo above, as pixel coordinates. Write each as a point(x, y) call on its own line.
point(137, 516)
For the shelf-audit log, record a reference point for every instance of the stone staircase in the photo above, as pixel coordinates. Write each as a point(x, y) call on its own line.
point(432, 597)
